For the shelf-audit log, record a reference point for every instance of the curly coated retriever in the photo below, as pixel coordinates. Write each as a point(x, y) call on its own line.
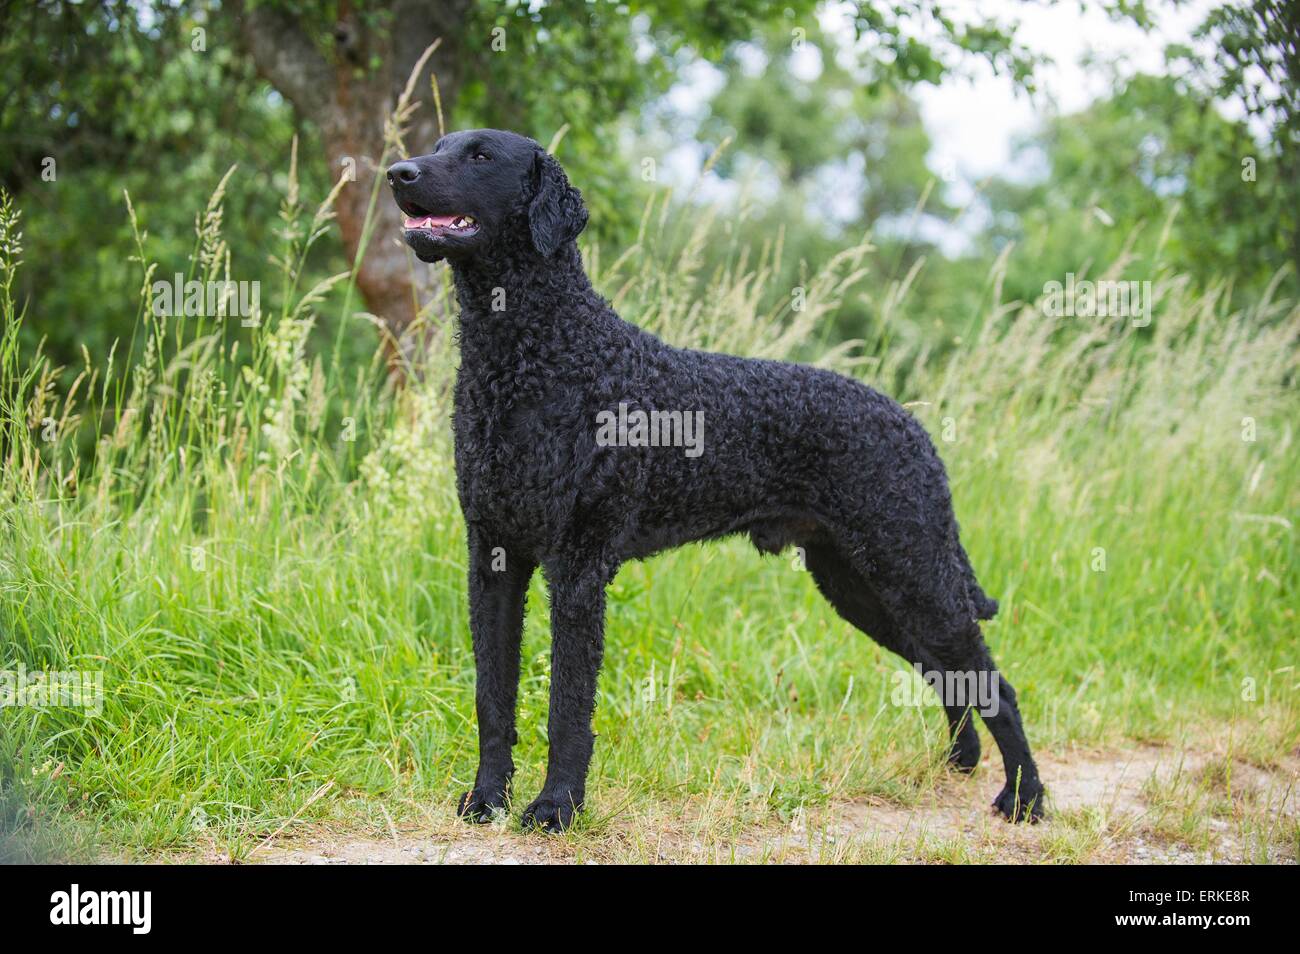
point(583, 441)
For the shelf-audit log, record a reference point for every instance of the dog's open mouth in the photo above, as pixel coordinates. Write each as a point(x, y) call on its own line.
point(440, 224)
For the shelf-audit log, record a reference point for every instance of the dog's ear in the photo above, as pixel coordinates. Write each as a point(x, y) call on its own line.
point(556, 214)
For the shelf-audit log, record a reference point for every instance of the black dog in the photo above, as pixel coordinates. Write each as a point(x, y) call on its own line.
point(564, 420)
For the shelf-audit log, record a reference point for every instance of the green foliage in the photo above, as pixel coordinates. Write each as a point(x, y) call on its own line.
point(833, 128)
point(803, 126)
point(123, 98)
point(279, 611)
point(1255, 63)
point(1154, 173)
point(122, 103)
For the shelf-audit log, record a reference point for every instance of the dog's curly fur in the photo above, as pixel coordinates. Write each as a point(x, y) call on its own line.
point(790, 455)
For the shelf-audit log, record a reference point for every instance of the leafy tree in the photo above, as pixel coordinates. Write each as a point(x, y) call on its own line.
point(803, 128)
point(849, 151)
point(1154, 172)
point(121, 93)
point(111, 97)
point(534, 68)
point(1255, 61)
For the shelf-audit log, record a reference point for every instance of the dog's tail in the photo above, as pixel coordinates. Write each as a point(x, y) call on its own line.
point(985, 606)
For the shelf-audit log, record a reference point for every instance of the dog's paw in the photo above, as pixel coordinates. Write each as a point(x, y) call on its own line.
point(551, 813)
point(1024, 805)
point(482, 807)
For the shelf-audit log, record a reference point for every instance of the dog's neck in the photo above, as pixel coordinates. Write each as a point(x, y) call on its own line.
point(521, 301)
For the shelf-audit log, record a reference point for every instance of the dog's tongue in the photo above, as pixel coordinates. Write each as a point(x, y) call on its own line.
point(429, 222)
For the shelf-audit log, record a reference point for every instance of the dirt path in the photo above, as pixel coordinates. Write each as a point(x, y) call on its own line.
point(1146, 805)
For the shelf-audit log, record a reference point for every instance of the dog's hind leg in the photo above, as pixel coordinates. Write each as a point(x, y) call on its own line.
point(1023, 797)
point(851, 595)
point(961, 650)
point(920, 575)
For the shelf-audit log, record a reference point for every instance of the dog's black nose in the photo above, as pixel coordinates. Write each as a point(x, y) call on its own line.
point(404, 172)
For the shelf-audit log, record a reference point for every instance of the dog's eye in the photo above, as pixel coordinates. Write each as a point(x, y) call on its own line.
point(482, 157)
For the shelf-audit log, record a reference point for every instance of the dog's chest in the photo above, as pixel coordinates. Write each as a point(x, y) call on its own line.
point(513, 452)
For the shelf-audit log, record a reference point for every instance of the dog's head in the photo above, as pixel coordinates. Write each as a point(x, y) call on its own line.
point(485, 190)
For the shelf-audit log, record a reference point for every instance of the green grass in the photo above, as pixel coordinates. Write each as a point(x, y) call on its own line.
point(264, 557)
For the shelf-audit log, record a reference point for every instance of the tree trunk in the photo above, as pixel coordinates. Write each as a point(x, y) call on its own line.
point(349, 100)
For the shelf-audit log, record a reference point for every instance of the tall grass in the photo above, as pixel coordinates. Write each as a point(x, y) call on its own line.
point(264, 557)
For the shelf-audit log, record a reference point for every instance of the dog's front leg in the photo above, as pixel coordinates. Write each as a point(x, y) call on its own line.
point(498, 587)
point(577, 643)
